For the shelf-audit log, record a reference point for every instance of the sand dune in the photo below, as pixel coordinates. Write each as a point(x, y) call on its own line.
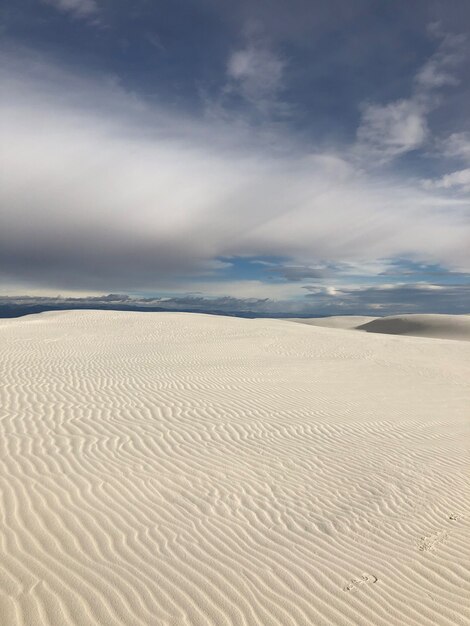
point(181, 469)
point(437, 326)
point(346, 322)
point(415, 325)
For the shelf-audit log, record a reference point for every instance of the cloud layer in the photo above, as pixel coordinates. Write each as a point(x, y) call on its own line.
point(377, 301)
point(102, 191)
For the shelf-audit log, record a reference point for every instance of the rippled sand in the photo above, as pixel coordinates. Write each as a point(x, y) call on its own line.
point(171, 468)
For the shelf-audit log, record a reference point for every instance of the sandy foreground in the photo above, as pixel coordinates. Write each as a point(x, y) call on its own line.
point(172, 468)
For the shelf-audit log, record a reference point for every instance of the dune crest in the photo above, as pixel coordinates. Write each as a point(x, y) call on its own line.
point(182, 469)
point(344, 322)
point(414, 325)
point(420, 325)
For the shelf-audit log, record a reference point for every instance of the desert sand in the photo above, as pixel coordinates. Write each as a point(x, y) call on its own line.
point(345, 322)
point(183, 469)
point(413, 325)
point(438, 326)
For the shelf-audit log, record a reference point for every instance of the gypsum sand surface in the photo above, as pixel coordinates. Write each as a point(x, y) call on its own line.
point(171, 468)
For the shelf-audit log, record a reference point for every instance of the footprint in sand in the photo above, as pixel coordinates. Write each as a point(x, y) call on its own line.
point(430, 542)
point(356, 582)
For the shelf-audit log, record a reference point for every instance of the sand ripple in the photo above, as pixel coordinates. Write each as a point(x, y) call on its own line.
point(178, 469)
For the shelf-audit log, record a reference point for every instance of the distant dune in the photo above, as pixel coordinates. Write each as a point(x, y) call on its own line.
point(345, 322)
point(177, 469)
point(437, 326)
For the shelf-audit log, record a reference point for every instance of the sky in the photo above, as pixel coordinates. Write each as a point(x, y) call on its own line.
point(282, 156)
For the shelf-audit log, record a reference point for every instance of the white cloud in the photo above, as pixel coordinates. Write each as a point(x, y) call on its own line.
point(391, 130)
point(459, 180)
point(438, 70)
point(98, 190)
point(257, 73)
point(458, 146)
point(77, 8)
point(387, 131)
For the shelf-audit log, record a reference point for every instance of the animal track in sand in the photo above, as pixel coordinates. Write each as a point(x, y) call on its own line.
point(455, 516)
point(430, 542)
point(356, 582)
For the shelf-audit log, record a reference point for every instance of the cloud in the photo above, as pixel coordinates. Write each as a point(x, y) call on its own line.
point(23, 305)
point(459, 180)
point(390, 299)
point(100, 190)
point(438, 70)
point(387, 131)
point(297, 273)
point(245, 289)
point(323, 300)
point(457, 146)
point(81, 9)
point(256, 73)
point(393, 129)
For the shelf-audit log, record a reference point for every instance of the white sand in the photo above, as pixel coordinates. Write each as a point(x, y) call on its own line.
point(439, 326)
point(188, 469)
point(345, 322)
point(413, 325)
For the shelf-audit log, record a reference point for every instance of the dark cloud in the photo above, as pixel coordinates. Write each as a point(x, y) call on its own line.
point(249, 307)
point(393, 299)
point(377, 301)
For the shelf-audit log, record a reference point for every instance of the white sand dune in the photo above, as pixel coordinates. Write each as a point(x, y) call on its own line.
point(438, 326)
point(346, 322)
point(185, 469)
point(414, 325)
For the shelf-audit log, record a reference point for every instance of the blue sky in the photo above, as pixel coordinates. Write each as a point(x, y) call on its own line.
point(313, 157)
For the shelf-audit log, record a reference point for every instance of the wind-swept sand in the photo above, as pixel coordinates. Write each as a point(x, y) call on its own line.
point(414, 325)
point(345, 322)
point(189, 469)
point(439, 326)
